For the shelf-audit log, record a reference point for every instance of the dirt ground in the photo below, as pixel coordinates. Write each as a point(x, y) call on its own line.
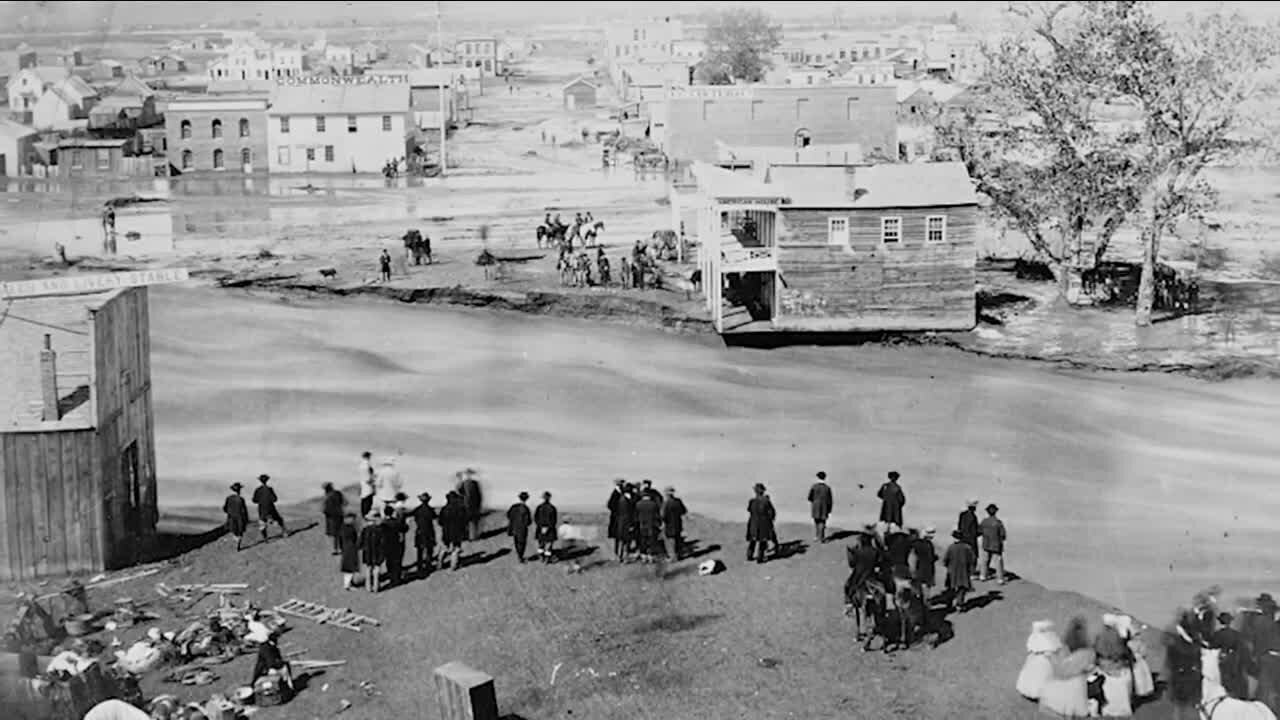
point(624, 641)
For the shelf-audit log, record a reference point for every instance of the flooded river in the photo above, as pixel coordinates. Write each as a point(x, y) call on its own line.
point(1134, 489)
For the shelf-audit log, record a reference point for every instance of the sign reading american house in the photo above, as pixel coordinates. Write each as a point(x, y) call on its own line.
point(80, 284)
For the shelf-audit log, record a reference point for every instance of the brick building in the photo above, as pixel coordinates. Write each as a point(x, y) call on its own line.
point(220, 133)
point(694, 118)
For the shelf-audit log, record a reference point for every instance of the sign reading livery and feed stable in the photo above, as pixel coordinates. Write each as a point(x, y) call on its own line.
point(82, 284)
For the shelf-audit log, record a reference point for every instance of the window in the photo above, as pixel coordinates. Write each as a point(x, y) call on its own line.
point(935, 228)
point(351, 123)
point(284, 126)
point(186, 159)
point(218, 162)
point(215, 128)
point(386, 123)
point(328, 153)
point(103, 158)
point(802, 104)
point(838, 231)
point(756, 107)
point(282, 156)
point(850, 108)
point(246, 157)
point(76, 161)
point(890, 230)
point(244, 127)
point(164, 144)
point(311, 154)
point(186, 129)
point(319, 123)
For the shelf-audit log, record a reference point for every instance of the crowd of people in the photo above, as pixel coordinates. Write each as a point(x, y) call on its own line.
point(641, 520)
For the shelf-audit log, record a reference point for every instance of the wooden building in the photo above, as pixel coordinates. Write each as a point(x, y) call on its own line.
point(834, 248)
point(77, 447)
point(579, 94)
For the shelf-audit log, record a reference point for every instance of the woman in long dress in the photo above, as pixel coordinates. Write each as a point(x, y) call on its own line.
point(1066, 694)
point(1042, 643)
point(1144, 682)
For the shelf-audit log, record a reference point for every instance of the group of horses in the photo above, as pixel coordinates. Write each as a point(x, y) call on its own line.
point(898, 613)
point(555, 233)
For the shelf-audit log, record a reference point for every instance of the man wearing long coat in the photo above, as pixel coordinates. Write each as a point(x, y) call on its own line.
point(349, 548)
point(518, 521)
point(237, 512)
point(473, 502)
point(371, 550)
point(1235, 663)
point(892, 500)
point(393, 532)
point(820, 504)
point(334, 508)
point(648, 523)
point(959, 560)
point(615, 507)
point(424, 534)
point(453, 528)
point(673, 512)
point(546, 521)
point(1264, 634)
point(760, 530)
point(925, 555)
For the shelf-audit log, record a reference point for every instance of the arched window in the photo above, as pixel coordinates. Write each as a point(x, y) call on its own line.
point(186, 159)
point(803, 138)
point(244, 127)
point(215, 129)
point(186, 129)
point(246, 156)
point(217, 159)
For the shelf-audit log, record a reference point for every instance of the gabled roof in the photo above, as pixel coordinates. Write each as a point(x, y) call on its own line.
point(810, 185)
point(78, 88)
point(14, 131)
point(46, 74)
point(580, 80)
point(906, 89)
point(131, 85)
point(109, 63)
point(913, 185)
point(340, 99)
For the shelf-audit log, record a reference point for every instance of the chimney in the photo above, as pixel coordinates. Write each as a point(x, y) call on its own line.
point(49, 380)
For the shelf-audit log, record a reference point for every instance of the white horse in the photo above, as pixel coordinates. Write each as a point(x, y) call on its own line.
point(1215, 704)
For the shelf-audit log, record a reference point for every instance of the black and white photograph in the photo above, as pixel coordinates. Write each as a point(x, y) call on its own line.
point(505, 360)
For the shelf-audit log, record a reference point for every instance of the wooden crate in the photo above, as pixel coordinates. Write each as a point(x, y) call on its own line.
point(465, 693)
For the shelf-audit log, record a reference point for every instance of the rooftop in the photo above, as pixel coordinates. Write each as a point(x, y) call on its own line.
point(820, 185)
point(87, 142)
point(23, 324)
point(13, 130)
point(345, 99)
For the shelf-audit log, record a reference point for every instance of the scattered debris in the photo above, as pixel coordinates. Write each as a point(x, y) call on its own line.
point(341, 617)
point(344, 706)
point(317, 664)
point(769, 662)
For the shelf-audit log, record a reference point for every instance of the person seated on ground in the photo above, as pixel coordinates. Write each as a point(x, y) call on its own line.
point(1066, 694)
point(271, 659)
point(1037, 669)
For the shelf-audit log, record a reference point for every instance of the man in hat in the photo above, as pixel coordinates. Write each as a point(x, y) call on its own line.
point(349, 549)
point(926, 558)
point(237, 514)
point(264, 496)
point(673, 512)
point(820, 503)
point(518, 521)
point(424, 534)
point(388, 483)
point(970, 529)
point(270, 658)
point(372, 547)
point(760, 530)
point(1235, 664)
point(648, 523)
point(992, 529)
point(453, 529)
point(1263, 633)
point(472, 501)
point(892, 500)
point(616, 531)
point(545, 520)
point(368, 483)
point(393, 532)
point(647, 489)
point(959, 560)
point(333, 508)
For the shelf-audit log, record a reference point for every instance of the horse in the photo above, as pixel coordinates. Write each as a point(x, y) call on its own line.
point(913, 610)
point(1215, 703)
point(549, 234)
point(867, 598)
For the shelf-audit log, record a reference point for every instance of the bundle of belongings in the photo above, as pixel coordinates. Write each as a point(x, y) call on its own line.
point(149, 653)
point(75, 681)
point(168, 707)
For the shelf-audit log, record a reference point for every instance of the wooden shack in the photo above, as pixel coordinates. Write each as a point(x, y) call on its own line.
point(579, 94)
point(836, 248)
point(77, 439)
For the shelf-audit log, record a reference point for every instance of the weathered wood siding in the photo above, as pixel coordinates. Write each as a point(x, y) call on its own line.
point(50, 499)
point(870, 286)
point(122, 386)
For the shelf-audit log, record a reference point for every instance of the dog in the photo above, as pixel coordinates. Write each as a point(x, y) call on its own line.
point(328, 273)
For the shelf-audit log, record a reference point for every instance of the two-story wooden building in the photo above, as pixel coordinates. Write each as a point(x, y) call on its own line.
point(77, 442)
point(833, 248)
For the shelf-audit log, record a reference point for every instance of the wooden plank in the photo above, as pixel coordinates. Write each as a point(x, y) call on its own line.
point(55, 517)
point(7, 473)
point(23, 504)
point(71, 518)
point(41, 476)
point(90, 500)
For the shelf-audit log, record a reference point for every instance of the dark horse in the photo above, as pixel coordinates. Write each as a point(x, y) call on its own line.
point(553, 233)
point(897, 617)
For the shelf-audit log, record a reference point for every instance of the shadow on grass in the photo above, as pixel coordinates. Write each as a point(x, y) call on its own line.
point(675, 622)
point(576, 552)
point(789, 549)
point(981, 601)
point(839, 535)
point(169, 545)
point(693, 552)
point(482, 558)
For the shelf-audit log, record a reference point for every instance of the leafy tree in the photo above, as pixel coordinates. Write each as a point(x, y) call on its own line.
point(739, 41)
point(1030, 138)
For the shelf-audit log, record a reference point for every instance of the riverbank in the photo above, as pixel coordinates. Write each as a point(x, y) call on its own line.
point(625, 641)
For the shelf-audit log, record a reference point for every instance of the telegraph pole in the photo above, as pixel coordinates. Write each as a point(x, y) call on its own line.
point(444, 111)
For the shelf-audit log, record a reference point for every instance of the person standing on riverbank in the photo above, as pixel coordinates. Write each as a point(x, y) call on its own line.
point(237, 514)
point(648, 522)
point(959, 561)
point(264, 496)
point(892, 500)
point(614, 506)
point(349, 548)
point(760, 530)
point(545, 519)
point(820, 503)
point(384, 266)
point(424, 535)
point(453, 529)
point(472, 501)
point(993, 536)
point(518, 521)
point(371, 547)
point(673, 512)
point(334, 508)
point(970, 530)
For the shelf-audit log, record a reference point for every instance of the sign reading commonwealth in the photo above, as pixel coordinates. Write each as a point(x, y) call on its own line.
point(710, 92)
point(81, 284)
point(380, 79)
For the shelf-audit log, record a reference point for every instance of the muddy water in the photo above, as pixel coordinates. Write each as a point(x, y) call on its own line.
point(1131, 488)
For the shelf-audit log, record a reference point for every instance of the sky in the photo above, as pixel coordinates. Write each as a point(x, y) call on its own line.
point(91, 15)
